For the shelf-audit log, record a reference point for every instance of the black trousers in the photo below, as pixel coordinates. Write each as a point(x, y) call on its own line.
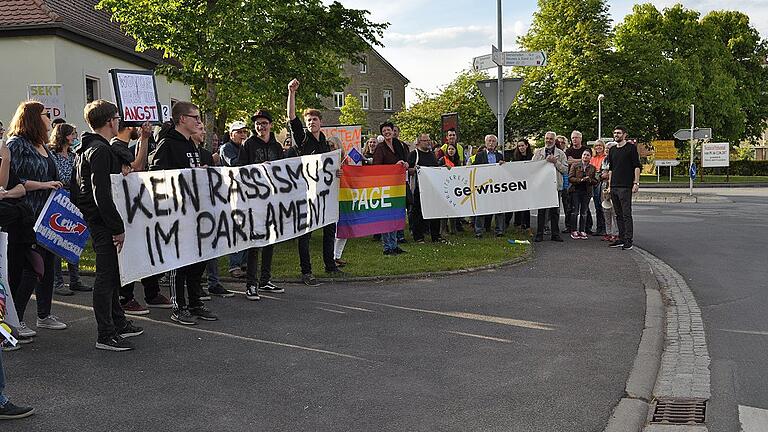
point(253, 265)
point(565, 198)
point(151, 289)
point(621, 198)
point(329, 239)
point(23, 281)
point(106, 287)
point(191, 277)
point(579, 207)
point(554, 219)
point(523, 219)
point(419, 225)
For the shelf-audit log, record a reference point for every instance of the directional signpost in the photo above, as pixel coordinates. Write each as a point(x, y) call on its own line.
point(698, 134)
point(525, 58)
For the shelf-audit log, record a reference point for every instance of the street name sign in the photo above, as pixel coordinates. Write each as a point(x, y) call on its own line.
point(698, 134)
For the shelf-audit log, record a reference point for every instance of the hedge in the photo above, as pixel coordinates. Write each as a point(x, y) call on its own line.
point(738, 168)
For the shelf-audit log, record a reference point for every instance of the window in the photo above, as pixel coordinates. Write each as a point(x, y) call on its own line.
point(364, 101)
point(388, 100)
point(338, 100)
point(91, 89)
point(364, 65)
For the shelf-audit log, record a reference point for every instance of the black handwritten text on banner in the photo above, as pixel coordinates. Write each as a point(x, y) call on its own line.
point(178, 217)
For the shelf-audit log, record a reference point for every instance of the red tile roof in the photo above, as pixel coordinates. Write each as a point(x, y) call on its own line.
point(76, 16)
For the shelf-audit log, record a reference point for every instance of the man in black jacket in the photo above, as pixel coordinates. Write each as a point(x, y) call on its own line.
point(489, 155)
point(177, 151)
point(313, 142)
point(95, 162)
point(260, 148)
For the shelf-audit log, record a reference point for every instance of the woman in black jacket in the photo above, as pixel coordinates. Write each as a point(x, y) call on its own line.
point(522, 152)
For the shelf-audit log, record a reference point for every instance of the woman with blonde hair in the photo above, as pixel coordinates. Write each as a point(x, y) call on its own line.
point(34, 165)
point(62, 143)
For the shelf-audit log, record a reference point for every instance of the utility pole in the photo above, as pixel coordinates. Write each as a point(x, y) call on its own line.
point(600, 98)
point(500, 114)
point(690, 164)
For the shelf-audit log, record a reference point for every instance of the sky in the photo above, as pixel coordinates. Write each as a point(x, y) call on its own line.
point(431, 41)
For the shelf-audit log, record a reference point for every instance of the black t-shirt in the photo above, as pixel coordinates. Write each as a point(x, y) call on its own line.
point(426, 158)
point(206, 157)
point(622, 162)
point(571, 152)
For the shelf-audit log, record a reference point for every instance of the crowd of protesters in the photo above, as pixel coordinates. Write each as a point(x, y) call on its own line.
point(39, 156)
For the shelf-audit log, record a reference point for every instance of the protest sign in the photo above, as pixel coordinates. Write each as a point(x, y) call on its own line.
point(371, 200)
point(487, 189)
point(60, 228)
point(51, 96)
point(175, 218)
point(348, 136)
point(136, 94)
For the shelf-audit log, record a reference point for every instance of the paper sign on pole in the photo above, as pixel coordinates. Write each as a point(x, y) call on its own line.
point(348, 137)
point(51, 96)
point(136, 94)
point(178, 217)
point(487, 189)
point(715, 155)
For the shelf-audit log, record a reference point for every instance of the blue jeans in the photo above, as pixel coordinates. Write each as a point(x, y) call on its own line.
point(389, 240)
point(237, 260)
point(480, 224)
point(3, 399)
point(212, 268)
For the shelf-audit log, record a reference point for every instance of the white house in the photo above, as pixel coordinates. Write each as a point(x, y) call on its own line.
point(69, 43)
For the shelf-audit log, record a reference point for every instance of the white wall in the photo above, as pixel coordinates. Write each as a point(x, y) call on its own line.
point(55, 60)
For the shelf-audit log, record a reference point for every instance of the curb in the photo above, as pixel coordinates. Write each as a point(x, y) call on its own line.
point(522, 258)
point(631, 411)
point(672, 197)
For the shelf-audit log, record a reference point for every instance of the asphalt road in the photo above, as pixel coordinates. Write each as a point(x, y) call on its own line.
point(720, 249)
point(542, 346)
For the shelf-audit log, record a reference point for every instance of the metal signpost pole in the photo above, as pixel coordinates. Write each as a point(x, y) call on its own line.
point(690, 165)
point(600, 98)
point(500, 111)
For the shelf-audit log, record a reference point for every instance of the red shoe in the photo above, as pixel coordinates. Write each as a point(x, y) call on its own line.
point(606, 238)
point(134, 308)
point(159, 301)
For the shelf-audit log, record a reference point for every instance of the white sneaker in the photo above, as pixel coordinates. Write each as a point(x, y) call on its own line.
point(26, 331)
point(50, 322)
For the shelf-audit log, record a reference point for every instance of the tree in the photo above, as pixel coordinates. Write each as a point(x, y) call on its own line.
point(238, 55)
point(562, 95)
point(352, 113)
point(462, 96)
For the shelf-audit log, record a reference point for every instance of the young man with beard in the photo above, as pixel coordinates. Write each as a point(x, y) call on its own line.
point(177, 151)
point(95, 162)
point(137, 159)
point(262, 147)
point(313, 142)
point(624, 180)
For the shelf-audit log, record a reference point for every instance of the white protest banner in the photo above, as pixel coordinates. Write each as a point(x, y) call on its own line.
point(715, 155)
point(348, 137)
point(51, 96)
point(10, 309)
point(487, 189)
point(175, 218)
point(136, 94)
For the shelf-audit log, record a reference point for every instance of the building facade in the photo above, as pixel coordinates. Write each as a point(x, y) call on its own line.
point(377, 84)
point(71, 44)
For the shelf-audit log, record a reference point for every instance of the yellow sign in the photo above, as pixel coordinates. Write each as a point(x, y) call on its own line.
point(664, 150)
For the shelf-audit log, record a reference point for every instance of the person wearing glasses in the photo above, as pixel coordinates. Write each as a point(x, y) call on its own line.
point(95, 161)
point(34, 165)
point(176, 150)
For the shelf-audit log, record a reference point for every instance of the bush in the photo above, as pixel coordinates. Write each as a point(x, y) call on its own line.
point(738, 168)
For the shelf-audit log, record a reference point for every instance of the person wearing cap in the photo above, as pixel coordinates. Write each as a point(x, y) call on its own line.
point(261, 147)
point(313, 142)
point(229, 153)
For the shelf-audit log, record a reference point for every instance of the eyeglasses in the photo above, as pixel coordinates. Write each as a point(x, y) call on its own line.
point(196, 117)
point(262, 124)
point(117, 117)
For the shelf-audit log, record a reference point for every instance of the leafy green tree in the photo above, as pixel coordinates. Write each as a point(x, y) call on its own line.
point(462, 96)
point(562, 95)
point(238, 55)
point(352, 113)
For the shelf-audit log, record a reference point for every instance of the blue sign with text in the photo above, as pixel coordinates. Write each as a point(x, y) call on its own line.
point(60, 228)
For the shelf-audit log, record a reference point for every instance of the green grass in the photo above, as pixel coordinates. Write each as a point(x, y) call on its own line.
point(647, 178)
point(365, 257)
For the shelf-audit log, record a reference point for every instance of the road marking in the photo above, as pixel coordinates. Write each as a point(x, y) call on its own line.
point(480, 336)
point(753, 419)
point(345, 307)
point(477, 317)
point(331, 310)
point(750, 332)
point(223, 334)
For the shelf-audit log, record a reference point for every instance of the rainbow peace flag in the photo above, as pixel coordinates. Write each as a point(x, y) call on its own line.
point(371, 200)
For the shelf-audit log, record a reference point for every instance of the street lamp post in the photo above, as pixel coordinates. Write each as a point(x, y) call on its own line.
point(600, 98)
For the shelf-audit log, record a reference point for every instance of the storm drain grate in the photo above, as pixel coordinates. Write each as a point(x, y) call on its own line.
point(679, 411)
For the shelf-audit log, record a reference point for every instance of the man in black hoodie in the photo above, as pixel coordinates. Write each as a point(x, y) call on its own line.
point(177, 151)
point(260, 148)
point(92, 192)
point(311, 142)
